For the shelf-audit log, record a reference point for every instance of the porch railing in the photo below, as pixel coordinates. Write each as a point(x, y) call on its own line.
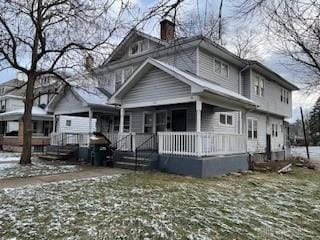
point(62, 139)
point(201, 143)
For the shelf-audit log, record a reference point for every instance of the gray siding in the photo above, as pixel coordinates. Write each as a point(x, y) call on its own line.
point(246, 83)
point(184, 59)
point(68, 103)
point(206, 70)
point(270, 102)
point(156, 85)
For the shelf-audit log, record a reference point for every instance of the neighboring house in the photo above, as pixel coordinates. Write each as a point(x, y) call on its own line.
point(12, 108)
point(206, 107)
point(76, 110)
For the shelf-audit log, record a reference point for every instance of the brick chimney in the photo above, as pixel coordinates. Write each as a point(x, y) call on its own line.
point(89, 62)
point(167, 30)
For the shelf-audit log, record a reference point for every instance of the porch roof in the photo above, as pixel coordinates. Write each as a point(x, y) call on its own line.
point(198, 85)
point(37, 114)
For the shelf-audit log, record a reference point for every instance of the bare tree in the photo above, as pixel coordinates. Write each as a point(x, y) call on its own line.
point(294, 27)
point(55, 35)
point(206, 22)
point(245, 43)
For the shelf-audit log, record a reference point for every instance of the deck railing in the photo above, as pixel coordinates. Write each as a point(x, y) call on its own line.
point(201, 143)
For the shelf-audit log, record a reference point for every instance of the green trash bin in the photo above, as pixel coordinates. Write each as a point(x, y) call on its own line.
point(100, 153)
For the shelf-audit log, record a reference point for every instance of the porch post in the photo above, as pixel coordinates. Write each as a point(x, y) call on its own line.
point(54, 124)
point(198, 108)
point(90, 121)
point(244, 127)
point(199, 139)
point(122, 113)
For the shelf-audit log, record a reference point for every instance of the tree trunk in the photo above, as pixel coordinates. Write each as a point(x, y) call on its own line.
point(27, 122)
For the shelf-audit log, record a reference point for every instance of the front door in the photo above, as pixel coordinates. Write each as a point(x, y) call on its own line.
point(179, 120)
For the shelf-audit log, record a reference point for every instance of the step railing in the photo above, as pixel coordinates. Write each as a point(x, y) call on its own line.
point(146, 148)
point(201, 143)
point(124, 143)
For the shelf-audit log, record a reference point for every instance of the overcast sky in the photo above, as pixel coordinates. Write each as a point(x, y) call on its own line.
point(265, 51)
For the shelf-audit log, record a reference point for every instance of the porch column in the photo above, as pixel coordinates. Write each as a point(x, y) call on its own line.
point(90, 121)
point(198, 108)
point(54, 124)
point(122, 113)
point(244, 127)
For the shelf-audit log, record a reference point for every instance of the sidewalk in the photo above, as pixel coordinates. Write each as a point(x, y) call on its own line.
point(82, 174)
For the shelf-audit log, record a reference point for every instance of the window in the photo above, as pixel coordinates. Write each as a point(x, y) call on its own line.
point(222, 118)
point(274, 130)
point(134, 48)
point(226, 119)
point(109, 80)
point(127, 73)
point(139, 47)
point(68, 123)
point(284, 96)
point(35, 126)
point(161, 120)
point(252, 129)
point(126, 123)
point(118, 78)
point(148, 123)
point(221, 68)
point(259, 86)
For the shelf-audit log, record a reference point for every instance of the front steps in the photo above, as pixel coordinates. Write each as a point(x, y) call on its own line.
point(61, 153)
point(129, 162)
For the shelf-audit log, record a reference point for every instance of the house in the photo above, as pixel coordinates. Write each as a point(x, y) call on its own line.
point(12, 110)
point(191, 105)
point(76, 110)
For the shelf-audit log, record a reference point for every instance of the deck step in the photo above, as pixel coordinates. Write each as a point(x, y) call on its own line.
point(64, 154)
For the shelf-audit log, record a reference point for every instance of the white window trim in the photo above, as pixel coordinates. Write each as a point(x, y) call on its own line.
point(153, 120)
point(252, 131)
point(226, 124)
point(222, 62)
point(114, 121)
point(260, 78)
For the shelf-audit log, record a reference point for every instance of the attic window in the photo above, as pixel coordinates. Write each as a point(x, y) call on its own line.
point(138, 47)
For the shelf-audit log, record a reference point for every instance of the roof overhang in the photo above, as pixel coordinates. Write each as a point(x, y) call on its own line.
point(199, 87)
point(17, 115)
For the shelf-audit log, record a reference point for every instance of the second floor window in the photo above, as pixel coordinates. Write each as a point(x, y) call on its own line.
point(221, 68)
point(139, 47)
point(284, 97)
point(274, 130)
point(118, 78)
point(259, 86)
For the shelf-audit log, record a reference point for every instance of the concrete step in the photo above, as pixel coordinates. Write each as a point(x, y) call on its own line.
point(65, 154)
point(51, 157)
point(133, 160)
point(131, 166)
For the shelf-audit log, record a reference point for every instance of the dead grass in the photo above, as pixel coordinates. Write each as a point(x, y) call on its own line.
point(162, 206)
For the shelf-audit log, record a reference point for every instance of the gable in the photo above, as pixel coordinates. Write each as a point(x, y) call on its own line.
point(68, 103)
point(156, 85)
point(147, 42)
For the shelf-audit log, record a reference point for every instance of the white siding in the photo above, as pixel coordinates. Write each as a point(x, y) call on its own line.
point(68, 103)
point(258, 145)
point(270, 102)
point(13, 104)
point(206, 70)
point(78, 124)
point(277, 142)
point(156, 85)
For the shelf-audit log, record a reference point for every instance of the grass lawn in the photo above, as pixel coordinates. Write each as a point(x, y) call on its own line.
point(162, 206)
